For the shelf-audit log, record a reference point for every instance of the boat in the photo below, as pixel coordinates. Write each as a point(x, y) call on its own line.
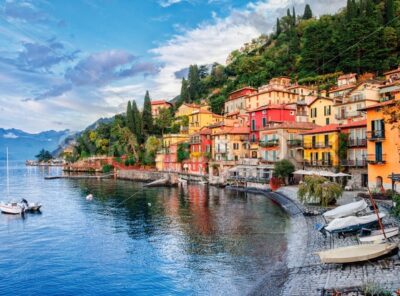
point(377, 236)
point(12, 208)
point(350, 209)
point(357, 253)
point(31, 206)
point(352, 223)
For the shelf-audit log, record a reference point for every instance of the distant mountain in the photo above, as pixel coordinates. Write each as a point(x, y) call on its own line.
point(23, 145)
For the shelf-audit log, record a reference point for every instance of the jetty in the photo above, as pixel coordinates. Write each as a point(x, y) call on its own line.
point(103, 176)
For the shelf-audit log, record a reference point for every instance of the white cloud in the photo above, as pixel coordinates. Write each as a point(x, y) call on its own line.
point(212, 42)
point(10, 136)
point(167, 3)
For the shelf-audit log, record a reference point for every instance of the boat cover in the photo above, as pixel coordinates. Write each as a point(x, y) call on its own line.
point(342, 223)
point(346, 210)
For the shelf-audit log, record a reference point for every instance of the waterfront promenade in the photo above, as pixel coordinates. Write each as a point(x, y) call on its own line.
point(307, 276)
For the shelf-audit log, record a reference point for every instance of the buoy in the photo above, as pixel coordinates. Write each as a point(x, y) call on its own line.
point(89, 197)
point(149, 204)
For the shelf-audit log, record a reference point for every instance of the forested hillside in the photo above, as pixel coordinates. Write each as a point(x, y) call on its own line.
point(363, 37)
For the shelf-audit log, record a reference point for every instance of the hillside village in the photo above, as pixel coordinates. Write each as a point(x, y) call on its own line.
point(342, 130)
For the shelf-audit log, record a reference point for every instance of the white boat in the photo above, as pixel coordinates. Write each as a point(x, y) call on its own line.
point(350, 209)
point(377, 236)
point(357, 253)
point(352, 223)
point(12, 208)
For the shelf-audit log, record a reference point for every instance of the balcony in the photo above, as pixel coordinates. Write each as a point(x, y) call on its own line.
point(317, 145)
point(357, 142)
point(294, 143)
point(347, 115)
point(359, 163)
point(376, 158)
point(301, 113)
point(318, 163)
point(270, 143)
point(377, 135)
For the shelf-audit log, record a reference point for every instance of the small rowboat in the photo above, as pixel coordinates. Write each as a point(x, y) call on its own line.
point(357, 253)
point(350, 209)
point(377, 236)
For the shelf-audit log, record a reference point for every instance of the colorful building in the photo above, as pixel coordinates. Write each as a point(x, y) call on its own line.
point(202, 118)
point(186, 109)
point(200, 152)
point(383, 147)
point(321, 147)
point(320, 111)
point(283, 141)
point(236, 102)
point(156, 106)
point(345, 83)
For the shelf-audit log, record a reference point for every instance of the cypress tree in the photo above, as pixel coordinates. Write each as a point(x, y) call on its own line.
point(147, 118)
point(293, 17)
point(184, 97)
point(288, 13)
point(389, 11)
point(129, 118)
point(137, 120)
point(307, 12)
point(194, 83)
point(278, 27)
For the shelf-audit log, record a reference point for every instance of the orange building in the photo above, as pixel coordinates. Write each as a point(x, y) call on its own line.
point(383, 147)
point(156, 106)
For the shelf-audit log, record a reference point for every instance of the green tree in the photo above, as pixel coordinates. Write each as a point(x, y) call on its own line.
point(151, 146)
point(184, 96)
point(389, 11)
point(129, 118)
point(283, 169)
point(278, 27)
point(183, 152)
point(147, 118)
point(307, 12)
point(164, 119)
point(194, 83)
point(317, 189)
point(137, 122)
point(44, 156)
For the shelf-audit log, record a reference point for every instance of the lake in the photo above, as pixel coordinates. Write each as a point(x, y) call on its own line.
point(191, 240)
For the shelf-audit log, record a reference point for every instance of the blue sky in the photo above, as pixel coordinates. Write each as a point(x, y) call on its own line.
point(63, 64)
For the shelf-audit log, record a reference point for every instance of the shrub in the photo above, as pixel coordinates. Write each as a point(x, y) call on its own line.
point(396, 205)
point(283, 169)
point(317, 189)
point(107, 168)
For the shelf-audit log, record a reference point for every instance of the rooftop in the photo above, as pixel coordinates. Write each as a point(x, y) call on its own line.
point(160, 102)
point(323, 129)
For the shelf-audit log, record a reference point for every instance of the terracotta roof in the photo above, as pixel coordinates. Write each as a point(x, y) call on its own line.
point(234, 130)
point(191, 105)
point(240, 89)
point(159, 102)
point(319, 98)
point(232, 113)
point(273, 106)
point(343, 87)
point(205, 131)
point(392, 71)
point(382, 104)
point(323, 129)
point(350, 75)
point(354, 124)
point(292, 125)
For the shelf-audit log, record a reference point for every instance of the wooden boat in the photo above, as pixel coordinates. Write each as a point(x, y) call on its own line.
point(377, 236)
point(357, 253)
point(12, 208)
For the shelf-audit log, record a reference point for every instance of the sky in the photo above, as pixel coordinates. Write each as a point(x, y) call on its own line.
point(64, 64)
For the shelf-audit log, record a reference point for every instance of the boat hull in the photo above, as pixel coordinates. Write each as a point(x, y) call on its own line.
point(357, 253)
point(12, 210)
point(378, 237)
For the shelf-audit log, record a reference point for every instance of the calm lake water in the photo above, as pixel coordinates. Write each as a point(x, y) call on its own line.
point(193, 240)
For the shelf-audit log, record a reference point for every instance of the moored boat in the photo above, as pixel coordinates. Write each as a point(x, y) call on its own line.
point(377, 236)
point(12, 208)
point(357, 253)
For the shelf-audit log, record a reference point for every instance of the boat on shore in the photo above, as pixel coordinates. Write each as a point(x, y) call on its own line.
point(352, 223)
point(377, 236)
point(357, 253)
point(346, 210)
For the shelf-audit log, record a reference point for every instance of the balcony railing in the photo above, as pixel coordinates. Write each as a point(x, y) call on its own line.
point(357, 142)
point(318, 162)
point(354, 162)
point(270, 143)
point(346, 115)
point(376, 135)
point(376, 158)
point(295, 143)
point(317, 145)
point(301, 113)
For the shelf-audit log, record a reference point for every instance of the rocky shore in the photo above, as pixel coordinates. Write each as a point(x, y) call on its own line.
point(305, 275)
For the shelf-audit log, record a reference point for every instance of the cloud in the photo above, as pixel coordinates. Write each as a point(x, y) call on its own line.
point(23, 11)
point(213, 41)
point(99, 69)
point(36, 56)
point(167, 3)
point(10, 136)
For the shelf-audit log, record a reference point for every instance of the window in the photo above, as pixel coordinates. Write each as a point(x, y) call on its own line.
point(273, 155)
point(326, 139)
point(327, 120)
point(264, 122)
point(253, 125)
point(235, 146)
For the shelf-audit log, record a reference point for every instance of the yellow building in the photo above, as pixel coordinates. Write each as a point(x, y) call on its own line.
point(186, 109)
point(383, 147)
point(321, 146)
point(171, 139)
point(201, 118)
point(321, 111)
